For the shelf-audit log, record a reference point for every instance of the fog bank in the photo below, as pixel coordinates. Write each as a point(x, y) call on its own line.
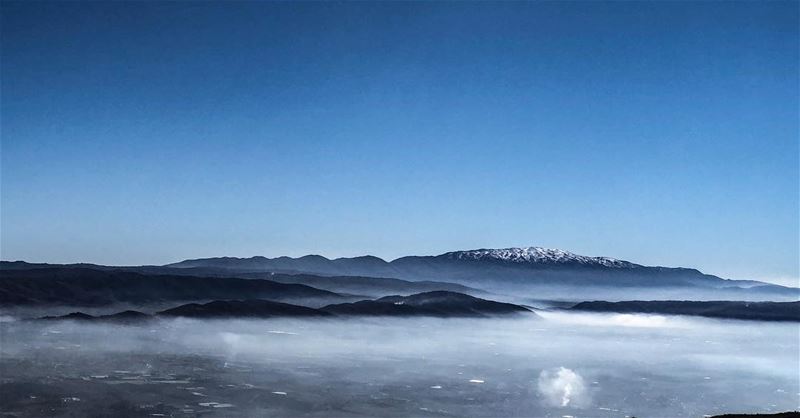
point(566, 364)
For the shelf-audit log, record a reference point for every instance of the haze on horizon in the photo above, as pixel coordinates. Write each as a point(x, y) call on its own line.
point(661, 133)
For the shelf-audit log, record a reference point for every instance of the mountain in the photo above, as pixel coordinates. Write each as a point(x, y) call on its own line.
point(763, 311)
point(530, 257)
point(368, 286)
point(89, 287)
point(120, 317)
point(521, 274)
point(242, 309)
point(360, 285)
point(74, 316)
point(438, 303)
point(536, 256)
point(356, 266)
point(546, 272)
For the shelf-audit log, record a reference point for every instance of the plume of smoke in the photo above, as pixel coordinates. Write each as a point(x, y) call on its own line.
point(563, 387)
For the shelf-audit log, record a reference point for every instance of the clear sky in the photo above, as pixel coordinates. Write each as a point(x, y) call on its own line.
point(662, 133)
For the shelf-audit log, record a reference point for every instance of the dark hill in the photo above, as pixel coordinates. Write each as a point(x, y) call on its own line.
point(369, 286)
point(90, 287)
point(438, 303)
point(74, 316)
point(242, 309)
point(123, 317)
point(358, 285)
point(763, 311)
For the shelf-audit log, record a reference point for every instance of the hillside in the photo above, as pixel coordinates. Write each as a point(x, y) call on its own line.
point(763, 311)
point(89, 287)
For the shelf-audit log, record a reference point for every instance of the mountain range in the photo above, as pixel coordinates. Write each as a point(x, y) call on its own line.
point(90, 287)
point(441, 304)
point(549, 272)
point(521, 275)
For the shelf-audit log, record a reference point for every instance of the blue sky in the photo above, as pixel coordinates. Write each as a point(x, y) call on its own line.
point(659, 132)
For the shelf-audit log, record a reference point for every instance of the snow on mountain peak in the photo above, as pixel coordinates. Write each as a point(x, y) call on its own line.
point(537, 255)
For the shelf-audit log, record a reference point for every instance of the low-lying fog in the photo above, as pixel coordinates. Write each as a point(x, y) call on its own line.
point(563, 365)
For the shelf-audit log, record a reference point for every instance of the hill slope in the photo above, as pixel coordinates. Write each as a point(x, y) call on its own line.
point(368, 286)
point(764, 311)
point(242, 309)
point(89, 287)
point(439, 304)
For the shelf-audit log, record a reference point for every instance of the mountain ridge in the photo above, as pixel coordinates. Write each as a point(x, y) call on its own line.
point(469, 267)
point(765, 311)
point(443, 304)
point(532, 255)
point(513, 254)
point(90, 287)
point(544, 273)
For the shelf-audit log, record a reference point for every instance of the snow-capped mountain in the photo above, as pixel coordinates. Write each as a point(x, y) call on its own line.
point(537, 255)
point(526, 270)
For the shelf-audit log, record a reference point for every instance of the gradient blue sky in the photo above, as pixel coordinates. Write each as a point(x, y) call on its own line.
point(662, 133)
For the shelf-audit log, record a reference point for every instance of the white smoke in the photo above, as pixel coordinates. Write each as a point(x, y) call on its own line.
point(563, 387)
